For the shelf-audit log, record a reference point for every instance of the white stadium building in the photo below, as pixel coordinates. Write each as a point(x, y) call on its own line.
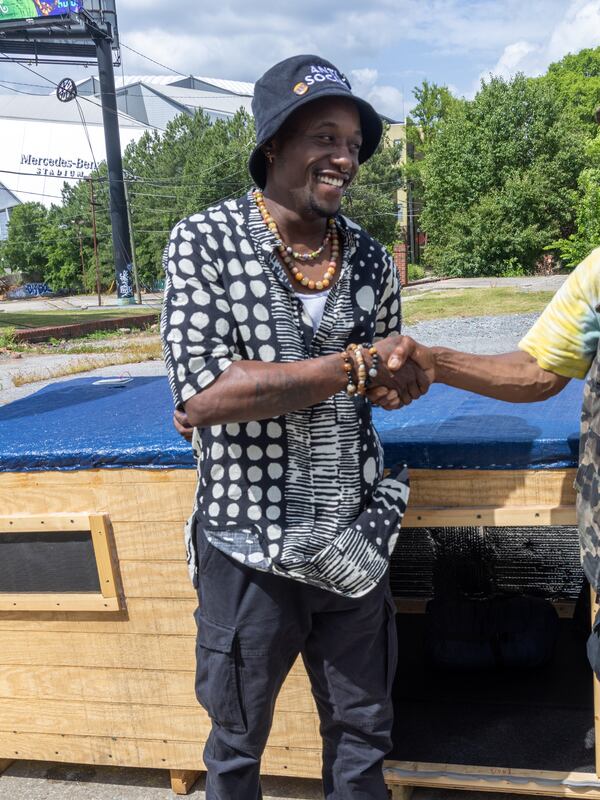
point(45, 141)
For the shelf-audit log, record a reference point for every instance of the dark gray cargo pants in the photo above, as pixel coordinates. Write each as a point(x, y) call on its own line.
point(251, 627)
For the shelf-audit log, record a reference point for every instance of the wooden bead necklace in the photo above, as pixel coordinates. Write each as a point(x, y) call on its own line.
point(289, 255)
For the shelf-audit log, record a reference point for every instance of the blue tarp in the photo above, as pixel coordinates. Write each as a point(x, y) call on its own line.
point(76, 425)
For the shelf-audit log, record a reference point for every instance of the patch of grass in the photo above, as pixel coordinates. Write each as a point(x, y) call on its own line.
point(145, 351)
point(7, 338)
point(43, 319)
point(490, 302)
point(415, 272)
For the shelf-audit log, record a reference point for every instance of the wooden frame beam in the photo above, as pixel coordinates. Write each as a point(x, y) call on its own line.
point(183, 780)
point(492, 516)
point(492, 779)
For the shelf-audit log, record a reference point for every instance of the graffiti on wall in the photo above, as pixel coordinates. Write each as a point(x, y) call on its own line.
point(29, 290)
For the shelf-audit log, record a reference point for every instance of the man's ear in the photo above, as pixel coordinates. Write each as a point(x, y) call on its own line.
point(268, 150)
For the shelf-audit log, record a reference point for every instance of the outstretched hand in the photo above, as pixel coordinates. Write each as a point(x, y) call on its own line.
point(406, 372)
point(407, 349)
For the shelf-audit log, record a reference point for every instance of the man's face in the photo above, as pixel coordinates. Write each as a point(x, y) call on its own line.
point(315, 156)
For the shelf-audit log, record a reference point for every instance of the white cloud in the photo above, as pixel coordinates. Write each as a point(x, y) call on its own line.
point(578, 28)
point(231, 42)
point(388, 100)
point(388, 36)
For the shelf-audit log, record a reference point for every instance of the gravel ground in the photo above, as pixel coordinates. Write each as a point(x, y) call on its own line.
point(474, 334)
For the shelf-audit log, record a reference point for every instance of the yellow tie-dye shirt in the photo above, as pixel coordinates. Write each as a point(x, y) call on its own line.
point(564, 339)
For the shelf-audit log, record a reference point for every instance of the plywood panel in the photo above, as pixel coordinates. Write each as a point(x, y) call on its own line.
point(149, 541)
point(145, 687)
point(167, 495)
point(463, 487)
point(166, 579)
point(144, 498)
point(104, 650)
point(99, 478)
point(111, 651)
point(419, 517)
point(142, 615)
point(303, 762)
point(135, 720)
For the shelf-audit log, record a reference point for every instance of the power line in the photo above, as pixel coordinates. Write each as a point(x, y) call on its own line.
point(155, 86)
point(87, 134)
point(20, 91)
point(38, 194)
point(21, 83)
point(154, 61)
point(88, 99)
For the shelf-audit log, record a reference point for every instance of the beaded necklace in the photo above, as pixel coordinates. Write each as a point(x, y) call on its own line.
point(289, 255)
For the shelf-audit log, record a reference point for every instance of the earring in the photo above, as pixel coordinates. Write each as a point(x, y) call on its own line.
point(269, 157)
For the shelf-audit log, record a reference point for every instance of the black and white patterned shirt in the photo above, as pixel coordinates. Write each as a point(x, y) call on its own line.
point(302, 494)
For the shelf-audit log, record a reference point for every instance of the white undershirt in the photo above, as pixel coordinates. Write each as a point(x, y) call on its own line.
point(314, 305)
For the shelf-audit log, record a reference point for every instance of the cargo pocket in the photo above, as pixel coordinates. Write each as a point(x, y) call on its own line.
point(218, 674)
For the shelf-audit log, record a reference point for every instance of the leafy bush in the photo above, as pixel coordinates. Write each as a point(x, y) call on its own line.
point(500, 179)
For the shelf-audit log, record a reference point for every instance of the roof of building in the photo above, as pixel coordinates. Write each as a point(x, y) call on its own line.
point(47, 108)
point(195, 98)
point(226, 86)
point(8, 199)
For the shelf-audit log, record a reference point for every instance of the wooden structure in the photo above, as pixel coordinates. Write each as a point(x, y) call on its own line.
point(108, 677)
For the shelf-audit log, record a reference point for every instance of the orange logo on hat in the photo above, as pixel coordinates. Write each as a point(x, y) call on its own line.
point(300, 88)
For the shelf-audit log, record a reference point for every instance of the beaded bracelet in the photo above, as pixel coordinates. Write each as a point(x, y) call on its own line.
point(348, 367)
point(362, 377)
point(374, 361)
point(361, 369)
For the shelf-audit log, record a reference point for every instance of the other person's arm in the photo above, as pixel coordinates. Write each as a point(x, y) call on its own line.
point(560, 345)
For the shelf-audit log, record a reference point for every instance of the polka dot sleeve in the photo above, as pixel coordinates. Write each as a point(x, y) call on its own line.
point(389, 318)
point(197, 325)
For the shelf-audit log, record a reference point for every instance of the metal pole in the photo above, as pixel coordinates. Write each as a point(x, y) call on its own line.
point(118, 205)
point(411, 223)
point(93, 204)
point(132, 239)
point(81, 252)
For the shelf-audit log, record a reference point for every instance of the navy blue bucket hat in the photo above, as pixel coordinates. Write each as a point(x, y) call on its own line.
point(293, 83)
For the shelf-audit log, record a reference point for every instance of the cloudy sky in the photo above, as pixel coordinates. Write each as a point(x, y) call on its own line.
point(385, 46)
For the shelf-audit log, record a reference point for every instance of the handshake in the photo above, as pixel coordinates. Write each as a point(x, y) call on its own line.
point(406, 371)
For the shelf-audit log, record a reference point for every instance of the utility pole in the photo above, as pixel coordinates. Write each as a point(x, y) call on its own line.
point(118, 205)
point(93, 205)
point(78, 223)
point(132, 240)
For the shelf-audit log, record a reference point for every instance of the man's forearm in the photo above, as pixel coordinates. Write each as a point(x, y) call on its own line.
point(515, 377)
point(254, 390)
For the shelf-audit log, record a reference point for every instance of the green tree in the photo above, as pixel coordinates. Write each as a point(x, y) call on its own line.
point(371, 200)
point(434, 105)
point(24, 250)
point(69, 236)
point(576, 79)
point(193, 165)
point(586, 236)
point(500, 179)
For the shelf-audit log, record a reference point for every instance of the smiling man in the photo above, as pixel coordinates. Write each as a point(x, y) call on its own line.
point(271, 306)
